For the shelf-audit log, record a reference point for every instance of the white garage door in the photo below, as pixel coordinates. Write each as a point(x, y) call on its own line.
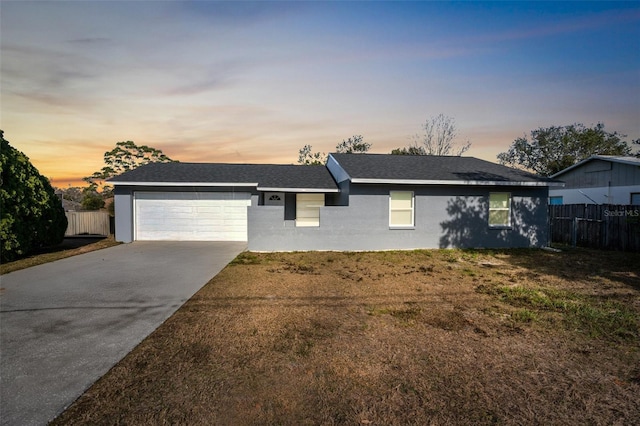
point(191, 216)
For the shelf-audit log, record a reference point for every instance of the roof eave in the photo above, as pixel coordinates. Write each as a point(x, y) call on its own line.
point(279, 189)
point(612, 159)
point(456, 182)
point(220, 184)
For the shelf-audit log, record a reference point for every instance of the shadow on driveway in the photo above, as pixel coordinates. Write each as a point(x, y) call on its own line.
point(71, 243)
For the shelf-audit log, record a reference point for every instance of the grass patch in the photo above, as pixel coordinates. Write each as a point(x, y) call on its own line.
point(450, 256)
point(596, 316)
point(469, 272)
point(606, 318)
point(246, 258)
point(406, 315)
point(524, 316)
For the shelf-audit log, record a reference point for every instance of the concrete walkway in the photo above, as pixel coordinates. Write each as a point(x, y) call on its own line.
point(65, 324)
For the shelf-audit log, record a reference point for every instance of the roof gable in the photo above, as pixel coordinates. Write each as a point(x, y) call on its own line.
point(429, 169)
point(631, 161)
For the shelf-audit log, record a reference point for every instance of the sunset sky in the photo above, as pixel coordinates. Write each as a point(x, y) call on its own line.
point(246, 82)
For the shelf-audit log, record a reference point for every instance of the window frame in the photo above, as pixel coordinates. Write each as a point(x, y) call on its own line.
point(412, 209)
point(269, 201)
point(508, 209)
point(553, 198)
point(301, 205)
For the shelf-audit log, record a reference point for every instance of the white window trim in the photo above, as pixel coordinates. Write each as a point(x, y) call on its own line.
point(412, 209)
point(309, 205)
point(508, 208)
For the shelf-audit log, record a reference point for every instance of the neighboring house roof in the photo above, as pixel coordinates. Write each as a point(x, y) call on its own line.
point(266, 177)
point(632, 161)
point(433, 170)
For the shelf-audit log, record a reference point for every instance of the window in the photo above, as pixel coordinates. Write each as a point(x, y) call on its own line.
point(400, 209)
point(274, 199)
point(555, 201)
point(499, 209)
point(308, 209)
point(635, 198)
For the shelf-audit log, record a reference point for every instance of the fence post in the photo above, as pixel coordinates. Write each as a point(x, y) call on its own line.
point(605, 224)
point(574, 232)
point(549, 226)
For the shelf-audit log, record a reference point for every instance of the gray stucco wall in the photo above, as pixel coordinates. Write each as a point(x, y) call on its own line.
point(123, 208)
point(444, 217)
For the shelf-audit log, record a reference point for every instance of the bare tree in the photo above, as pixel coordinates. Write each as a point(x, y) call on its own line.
point(439, 137)
point(306, 157)
point(353, 145)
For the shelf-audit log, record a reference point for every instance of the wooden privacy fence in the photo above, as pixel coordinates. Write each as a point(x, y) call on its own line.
point(83, 223)
point(602, 226)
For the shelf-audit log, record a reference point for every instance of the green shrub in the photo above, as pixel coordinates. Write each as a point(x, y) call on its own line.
point(31, 215)
point(92, 202)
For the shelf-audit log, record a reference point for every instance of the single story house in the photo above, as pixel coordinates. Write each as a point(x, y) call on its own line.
point(600, 179)
point(355, 202)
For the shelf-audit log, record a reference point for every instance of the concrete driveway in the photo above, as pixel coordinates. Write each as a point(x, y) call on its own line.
point(65, 324)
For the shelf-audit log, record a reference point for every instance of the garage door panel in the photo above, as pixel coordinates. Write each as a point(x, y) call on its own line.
point(184, 210)
point(191, 216)
point(233, 210)
point(210, 226)
point(209, 213)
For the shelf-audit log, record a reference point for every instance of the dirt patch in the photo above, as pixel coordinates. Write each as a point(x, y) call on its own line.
point(424, 337)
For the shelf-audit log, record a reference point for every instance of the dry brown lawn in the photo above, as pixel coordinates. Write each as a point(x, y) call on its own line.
point(424, 337)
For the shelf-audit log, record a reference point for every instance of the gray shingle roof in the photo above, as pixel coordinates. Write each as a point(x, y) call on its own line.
point(381, 168)
point(265, 176)
point(433, 169)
